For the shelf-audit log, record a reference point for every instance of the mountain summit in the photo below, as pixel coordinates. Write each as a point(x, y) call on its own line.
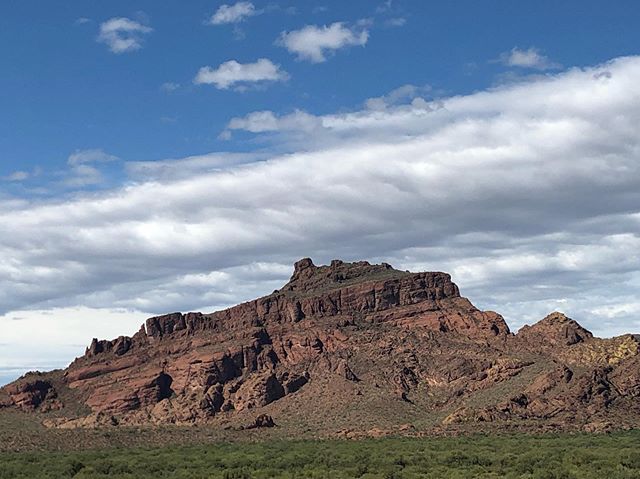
point(346, 348)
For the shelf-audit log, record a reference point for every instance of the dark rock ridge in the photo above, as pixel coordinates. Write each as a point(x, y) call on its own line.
point(339, 341)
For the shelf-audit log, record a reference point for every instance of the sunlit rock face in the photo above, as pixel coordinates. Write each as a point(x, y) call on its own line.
point(342, 340)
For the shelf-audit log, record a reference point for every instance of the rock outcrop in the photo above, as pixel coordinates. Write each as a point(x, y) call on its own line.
point(553, 331)
point(341, 341)
point(31, 392)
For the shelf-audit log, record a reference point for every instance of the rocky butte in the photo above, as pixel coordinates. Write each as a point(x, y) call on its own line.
point(346, 349)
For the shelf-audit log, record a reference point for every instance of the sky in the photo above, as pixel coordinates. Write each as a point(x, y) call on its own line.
point(180, 156)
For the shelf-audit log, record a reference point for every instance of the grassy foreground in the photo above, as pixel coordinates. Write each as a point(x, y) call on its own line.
point(614, 456)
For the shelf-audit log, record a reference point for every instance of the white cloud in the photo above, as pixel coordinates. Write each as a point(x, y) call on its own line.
point(383, 117)
point(623, 310)
point(169, 86)
point(313, 43)
point(17, 176)
point(82, 170)
point(95, 155)
point(122, 34)
point(233, 13)
point(396, 22)
point(530, 58)
point(164, 170)
point(397, 96)
point(232, 73)
point(48, 339)
point(384, 7)
point(267, 121)
point(528, 194)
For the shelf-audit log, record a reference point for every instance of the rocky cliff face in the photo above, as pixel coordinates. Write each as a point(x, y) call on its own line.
point(341, 346)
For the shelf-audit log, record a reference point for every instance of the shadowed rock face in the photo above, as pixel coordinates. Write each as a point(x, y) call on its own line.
point(338, 335)
point(31, 393)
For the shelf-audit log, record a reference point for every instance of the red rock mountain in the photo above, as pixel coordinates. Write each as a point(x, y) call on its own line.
point(346, 348)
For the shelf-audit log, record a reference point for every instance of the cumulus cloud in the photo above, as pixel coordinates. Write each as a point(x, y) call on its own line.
point(267, 121)
point(530, 58)
point(122, 34)
point(314, 43)
point(232, 73)
point(83, 171)
point(233, 13)
point(383, 117)
point(398, 96)
point(528, 194)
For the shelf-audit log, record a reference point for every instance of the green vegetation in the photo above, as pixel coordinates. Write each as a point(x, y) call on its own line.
point(614, 456)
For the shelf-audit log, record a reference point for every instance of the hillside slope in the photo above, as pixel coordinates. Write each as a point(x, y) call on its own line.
point(346, 349)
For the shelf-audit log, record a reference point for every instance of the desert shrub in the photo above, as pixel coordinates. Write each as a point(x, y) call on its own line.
point(236, 475)
point(582, 456)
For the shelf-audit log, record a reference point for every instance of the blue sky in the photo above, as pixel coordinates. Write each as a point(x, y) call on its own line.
point(161, 156)
point(63, 91)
